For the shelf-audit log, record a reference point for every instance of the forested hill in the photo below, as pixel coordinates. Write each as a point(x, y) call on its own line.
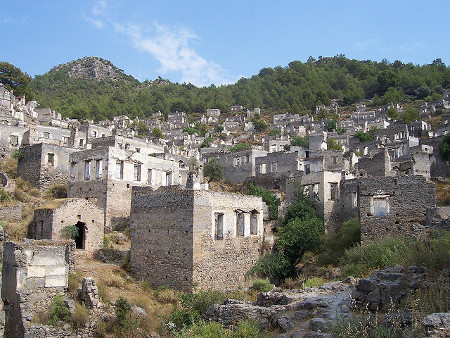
point(94, 88)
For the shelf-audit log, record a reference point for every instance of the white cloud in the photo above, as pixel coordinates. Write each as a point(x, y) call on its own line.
point(96, 22)
point(172, 48)
point(99, 8)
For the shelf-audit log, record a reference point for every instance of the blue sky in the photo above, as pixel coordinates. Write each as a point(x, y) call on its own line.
point(217, 41)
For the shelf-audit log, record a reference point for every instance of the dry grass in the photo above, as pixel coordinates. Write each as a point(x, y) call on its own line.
point(442, 191)
point(9, 166)
point(167, 296)
point(138, 293)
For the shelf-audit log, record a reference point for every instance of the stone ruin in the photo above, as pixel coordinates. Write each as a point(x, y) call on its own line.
point(33, 273)
point(89, 293)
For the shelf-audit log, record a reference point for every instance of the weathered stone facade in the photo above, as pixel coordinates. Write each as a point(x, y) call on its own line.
point(393, 206)
point(183, 238)
point(44, 164)
point(51, 218)
point(107, 174)
point(33, 273)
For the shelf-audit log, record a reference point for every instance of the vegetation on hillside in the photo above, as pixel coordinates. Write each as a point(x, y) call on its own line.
point(295, 88)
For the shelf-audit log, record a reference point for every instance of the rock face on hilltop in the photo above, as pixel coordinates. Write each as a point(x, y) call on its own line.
point(92, 68)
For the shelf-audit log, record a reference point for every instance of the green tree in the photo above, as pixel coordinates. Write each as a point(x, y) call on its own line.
point(392, 113)
point(213, 170)
point(157, 133)
point(332, 144)
point(387, 78)
point(300, 141)
point(410, 115)
point(14, 79)
point(299, 236)
point(362, 136)
point(239, 147)
point(260, 126)
point(422, 92)
point(330, 125)
point(392, 95)
point(444, 147)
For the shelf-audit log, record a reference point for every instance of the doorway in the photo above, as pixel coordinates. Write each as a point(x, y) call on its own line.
point(79, 240)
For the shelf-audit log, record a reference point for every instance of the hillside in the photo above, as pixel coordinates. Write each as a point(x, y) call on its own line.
point(94, 88)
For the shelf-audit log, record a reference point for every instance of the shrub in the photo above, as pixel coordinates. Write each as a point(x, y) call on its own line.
point(57, 191)
point(4, 196)
point(432, 252)
point(313, 282)
point(444, 147)
point(17, 155)
point(273, 265)
point(333, 246)
point(80, 316)
point(122, 308)
point(70, 231)
point(213, 170)
point(362, 136)
point(200, 302)
point(184, 318)
point(59, 312)
point(204, 329)
point(248, 329)
point(262, 285)
point(239, 147)
point(123, 323)
point(270, 199)
point(300, 141)
point(332, 144)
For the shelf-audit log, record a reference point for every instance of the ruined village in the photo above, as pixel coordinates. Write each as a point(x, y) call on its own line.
point(150, 201)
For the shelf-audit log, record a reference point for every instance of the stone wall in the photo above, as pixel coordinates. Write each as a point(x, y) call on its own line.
point(222, 263)
point(51, 218)
point(376, 166)
point(391, 206)
point(173, 238)
point(44, 165)
point(162, 237)
point(110, 185)
point(33, 273)
point(11, 213)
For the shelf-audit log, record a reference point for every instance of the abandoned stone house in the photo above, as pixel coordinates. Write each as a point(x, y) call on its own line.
point(11, 138)
point(44, 164)
point(126, 143)
point(108, 173)
point(53, 217)
point(35, 272)
point(187, 238)
point(323, 187)
point(47, 134)
point(386, 162)
point(238, 166)
point(390, 206)
point(272, 170)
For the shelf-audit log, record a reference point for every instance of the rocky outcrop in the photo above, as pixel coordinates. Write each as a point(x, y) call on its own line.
point(384, 289)
point(437, 324)
point(302, 313)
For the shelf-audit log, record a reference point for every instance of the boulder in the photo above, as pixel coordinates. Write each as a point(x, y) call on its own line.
point(437, 324)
